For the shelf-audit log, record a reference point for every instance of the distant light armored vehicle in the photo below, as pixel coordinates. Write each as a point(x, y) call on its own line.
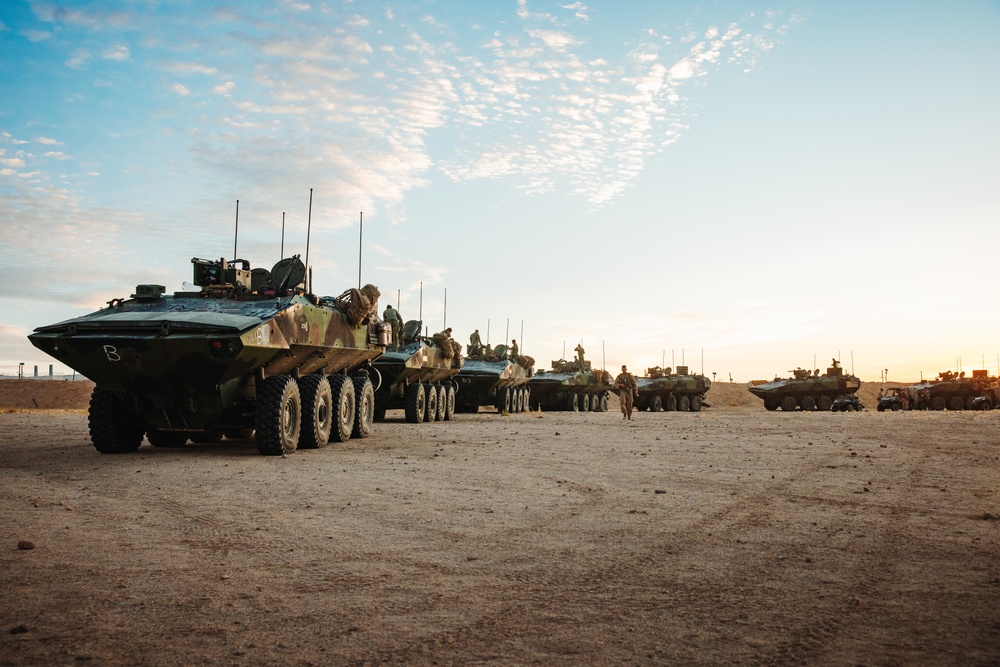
point(417, 377)
point(491, 377)
point(955, 391)
point(661, 389)
point(807, 391)
point(247, 352)
point(569, 387)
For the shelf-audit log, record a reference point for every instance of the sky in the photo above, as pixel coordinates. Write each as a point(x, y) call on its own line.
point(742, 187)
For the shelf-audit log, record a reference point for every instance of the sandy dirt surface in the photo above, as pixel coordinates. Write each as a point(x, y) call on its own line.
point(730, 536)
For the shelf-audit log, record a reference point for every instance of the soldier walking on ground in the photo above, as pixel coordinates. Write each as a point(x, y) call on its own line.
point(627, 388)
point(395, 321)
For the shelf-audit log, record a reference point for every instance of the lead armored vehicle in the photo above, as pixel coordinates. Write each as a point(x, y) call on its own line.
point(569, 387)
point(417, 376)
point(807, 391)
point(491, 377)
point(662, 389)
point(243, 352)
point(955, 391)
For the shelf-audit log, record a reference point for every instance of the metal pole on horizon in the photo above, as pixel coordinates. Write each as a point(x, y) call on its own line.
point(445, 309)
point(282, 254)
point(361, 235)
point(236, 234)
point(397, 298)
point(421, 311)
point(309, 224)
point(506, 335)
point(604, 357)
point(522, 335)
point(487, 332)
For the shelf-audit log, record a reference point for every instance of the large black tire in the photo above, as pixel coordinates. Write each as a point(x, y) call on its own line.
point(788, 403)
point(449, 402)
point(808, 404)
point(113, 429)
point(342, 387)
point(572, 403)
point(683, 404)
point(364, 408)
point(937, 403)
point(442, 403)
point(895, 407)
point(317, 411)
point(770, 405)
point(158, 438)
point(696, 404)
point(824, 403)
point(414, 403)
point(670, 405)
point(431, 400)
point(956, 403)
point(584, 402)
point(605, 397)
point(278, 415)
point(655, 403)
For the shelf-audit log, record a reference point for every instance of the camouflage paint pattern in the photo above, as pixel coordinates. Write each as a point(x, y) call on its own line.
point(805, 386)
point(667, 385)
point(415, 361)
point(560, 389)
point(480, 379)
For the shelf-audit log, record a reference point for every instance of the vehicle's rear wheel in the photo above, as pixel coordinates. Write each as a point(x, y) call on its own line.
point(808, 403)
point(442, 403)
point(449, 402)
point(113, 429)
point(788, 403)
point(655, 403)
point(317, 411)
point(696, 404)
point(604, 401)
point(895, 407)
point(278, 415)
point(824, 403)
point(956, 403)
point(431, 400)
point(683, 404)
point(414, 405)
point(364, 407)
point(670, 405)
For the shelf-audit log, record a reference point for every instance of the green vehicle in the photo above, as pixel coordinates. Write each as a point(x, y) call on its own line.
point(492, 378)
point(246, 353)
point(569, 387)
point(955, 391)
point(417, 377)
point(661, 389)
point(807, 391)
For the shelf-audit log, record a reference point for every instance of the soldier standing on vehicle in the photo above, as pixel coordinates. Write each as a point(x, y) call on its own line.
point(627, 388)
point(579, 354)
point(395, 321)
point(475, 343)
point(513, 349)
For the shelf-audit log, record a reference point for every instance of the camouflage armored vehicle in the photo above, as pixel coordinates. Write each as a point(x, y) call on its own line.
point(491, 377)
point(569, 387)
point(807, 391)
point(955, 391)
point(246, 353)
point(417, 376)
point(661, 389)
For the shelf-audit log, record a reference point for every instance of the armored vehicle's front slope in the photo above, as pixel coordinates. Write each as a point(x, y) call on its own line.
point(247, 351)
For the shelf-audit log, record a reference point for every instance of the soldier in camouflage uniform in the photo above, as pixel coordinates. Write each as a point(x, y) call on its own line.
point(627, 389)
point(513, 349)
point(392, 317)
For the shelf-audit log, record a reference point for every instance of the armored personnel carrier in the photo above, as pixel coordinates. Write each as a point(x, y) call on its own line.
point(417, 376)
point(492, 377)
point(807, 391)
point(662, 389)
point(569, 387)
point(955, 391)
point(241, 353)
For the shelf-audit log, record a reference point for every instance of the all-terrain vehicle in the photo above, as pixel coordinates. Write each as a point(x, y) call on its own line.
point(807, 391)
point(246, 353)
point(569, 387)
point(662, 389)
point(901, 398)
point(847, 404)
point(417, 376)
point(493, 377)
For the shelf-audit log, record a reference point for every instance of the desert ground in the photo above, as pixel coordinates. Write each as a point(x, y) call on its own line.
point(729, 536)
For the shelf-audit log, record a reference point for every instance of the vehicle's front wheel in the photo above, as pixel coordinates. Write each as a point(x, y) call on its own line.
point(317, 411)
point(278, 415)
point(414, 405)
point(113, 429)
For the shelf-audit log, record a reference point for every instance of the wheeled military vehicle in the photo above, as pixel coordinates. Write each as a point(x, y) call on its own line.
point(417, 376)
point(492, 377)
point(901, 398)
point(847, 404)
point(807, 391)
point(247, 352)
point(569, 387)
point(955, 391)
point(662, 389)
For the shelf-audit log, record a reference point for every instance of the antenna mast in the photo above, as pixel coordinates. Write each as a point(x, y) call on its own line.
point(308, 234)
point(236, 235)
point(361, 235)
point(282, 256)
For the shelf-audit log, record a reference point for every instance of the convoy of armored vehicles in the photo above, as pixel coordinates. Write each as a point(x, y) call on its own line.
point(950, 390)
point(494, 377)
point(570, 385)
point(662, 389)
